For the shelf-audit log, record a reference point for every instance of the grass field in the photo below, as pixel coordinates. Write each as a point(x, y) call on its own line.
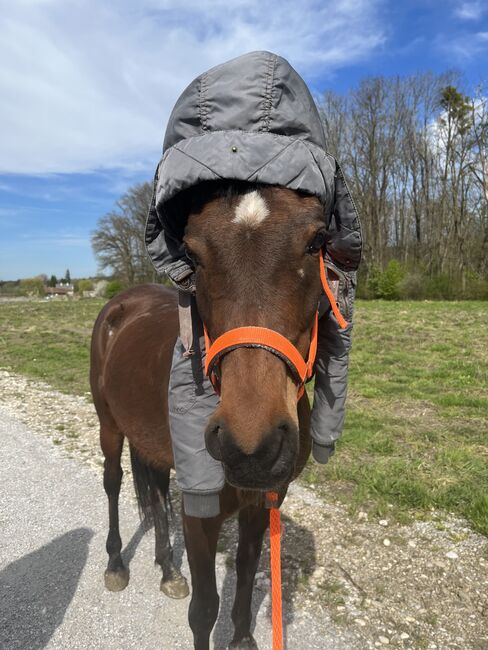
point(49, 340)
point(416, 434)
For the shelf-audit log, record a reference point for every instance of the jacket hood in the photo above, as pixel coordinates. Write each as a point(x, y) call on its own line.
point(258, 92)
point(250, 119)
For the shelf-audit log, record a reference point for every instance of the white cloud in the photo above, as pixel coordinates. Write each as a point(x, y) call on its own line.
point(89, 84)
point(470, 10)
point(61, 240)
point(464, 46)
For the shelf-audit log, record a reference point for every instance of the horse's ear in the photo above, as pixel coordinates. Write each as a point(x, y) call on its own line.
point(345, 228)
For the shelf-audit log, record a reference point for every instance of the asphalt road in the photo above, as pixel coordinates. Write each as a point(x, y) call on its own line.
point(52, 557)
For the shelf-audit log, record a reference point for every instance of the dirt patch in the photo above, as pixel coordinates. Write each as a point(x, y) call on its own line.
point(419, 586)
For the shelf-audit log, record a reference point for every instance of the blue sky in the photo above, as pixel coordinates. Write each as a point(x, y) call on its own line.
point(86, 87)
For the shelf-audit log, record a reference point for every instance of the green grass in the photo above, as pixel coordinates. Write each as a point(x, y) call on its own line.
point(416, 433)
point(49, 340)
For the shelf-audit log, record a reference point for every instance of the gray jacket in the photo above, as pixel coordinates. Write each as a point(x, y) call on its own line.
point(250, 119)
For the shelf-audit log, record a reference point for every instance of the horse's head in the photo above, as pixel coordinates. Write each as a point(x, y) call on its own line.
point(256, 255)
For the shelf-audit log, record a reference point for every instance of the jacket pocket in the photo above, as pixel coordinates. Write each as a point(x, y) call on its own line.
point(343, 286)
point(182, 387)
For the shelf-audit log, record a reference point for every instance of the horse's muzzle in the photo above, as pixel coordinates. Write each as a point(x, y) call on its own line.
point(269, 466)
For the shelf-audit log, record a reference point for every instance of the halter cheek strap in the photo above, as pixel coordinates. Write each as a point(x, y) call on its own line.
point(274, 342)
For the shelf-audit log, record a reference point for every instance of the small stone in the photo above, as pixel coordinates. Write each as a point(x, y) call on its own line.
point(404, 636)
point(319, 573)
point(452, 555)
point(263, 583)
point(362, 516)
point(360, 622)
point(409, 619)
point(439, 564)
point(386, 542)
point(383, 522)
point(384, 640)
point(412, 543)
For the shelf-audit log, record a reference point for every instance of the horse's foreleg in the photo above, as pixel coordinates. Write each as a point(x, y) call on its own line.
point(201, 544)
point(253, 522)
point(173, 584)
point(116, 575)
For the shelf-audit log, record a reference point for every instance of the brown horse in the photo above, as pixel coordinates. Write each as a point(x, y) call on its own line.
point(256, 254)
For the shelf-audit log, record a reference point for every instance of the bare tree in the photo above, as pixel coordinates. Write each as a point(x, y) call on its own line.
point(118, 241)
point(415, 152)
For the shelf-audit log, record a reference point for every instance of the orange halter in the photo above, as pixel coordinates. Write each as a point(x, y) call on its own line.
point(274, 342)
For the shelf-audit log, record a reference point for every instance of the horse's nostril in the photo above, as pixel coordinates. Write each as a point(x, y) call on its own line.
point(213, 440)
point(283, 427)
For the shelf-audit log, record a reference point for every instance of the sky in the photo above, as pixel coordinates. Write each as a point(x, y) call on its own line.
point(86, 87)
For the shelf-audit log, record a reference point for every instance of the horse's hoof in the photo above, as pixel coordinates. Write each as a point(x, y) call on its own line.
point(175, 588)
point(247, 643)
point(116, 580)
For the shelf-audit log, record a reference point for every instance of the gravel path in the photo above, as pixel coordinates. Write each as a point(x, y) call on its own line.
point(350, 582)
point(53, 523)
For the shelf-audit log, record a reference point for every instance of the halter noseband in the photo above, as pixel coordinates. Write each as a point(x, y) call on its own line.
point(274, 342)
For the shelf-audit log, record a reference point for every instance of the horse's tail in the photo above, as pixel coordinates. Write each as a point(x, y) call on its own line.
point(150, 486)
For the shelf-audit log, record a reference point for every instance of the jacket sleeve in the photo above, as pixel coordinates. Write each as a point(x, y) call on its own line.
point(344, 239)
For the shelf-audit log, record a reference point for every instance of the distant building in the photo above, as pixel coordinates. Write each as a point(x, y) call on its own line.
point(61, 289)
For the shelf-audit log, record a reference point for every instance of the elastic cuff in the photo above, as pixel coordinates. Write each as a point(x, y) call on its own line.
point(322, 453)
point(182, 275)
point(201, 505)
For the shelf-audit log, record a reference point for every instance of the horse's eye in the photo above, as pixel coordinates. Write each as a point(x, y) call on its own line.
point(317, 242)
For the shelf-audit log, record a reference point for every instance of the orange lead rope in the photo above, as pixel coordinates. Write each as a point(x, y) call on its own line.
point(272, 497)
point(275, 548)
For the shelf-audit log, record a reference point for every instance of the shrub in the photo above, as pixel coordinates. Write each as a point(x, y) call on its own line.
point(412, 286)
point(361, 288)
point(399, 283)
point(113, 288)
point(85, 285)
point(390, 280)
point(440, 287)
point(476, 287)
point(373, 283)
point(32, 287)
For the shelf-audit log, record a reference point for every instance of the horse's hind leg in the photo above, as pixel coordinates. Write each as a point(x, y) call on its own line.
point(253, 522)
point(116, 575)
point(173, 584)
